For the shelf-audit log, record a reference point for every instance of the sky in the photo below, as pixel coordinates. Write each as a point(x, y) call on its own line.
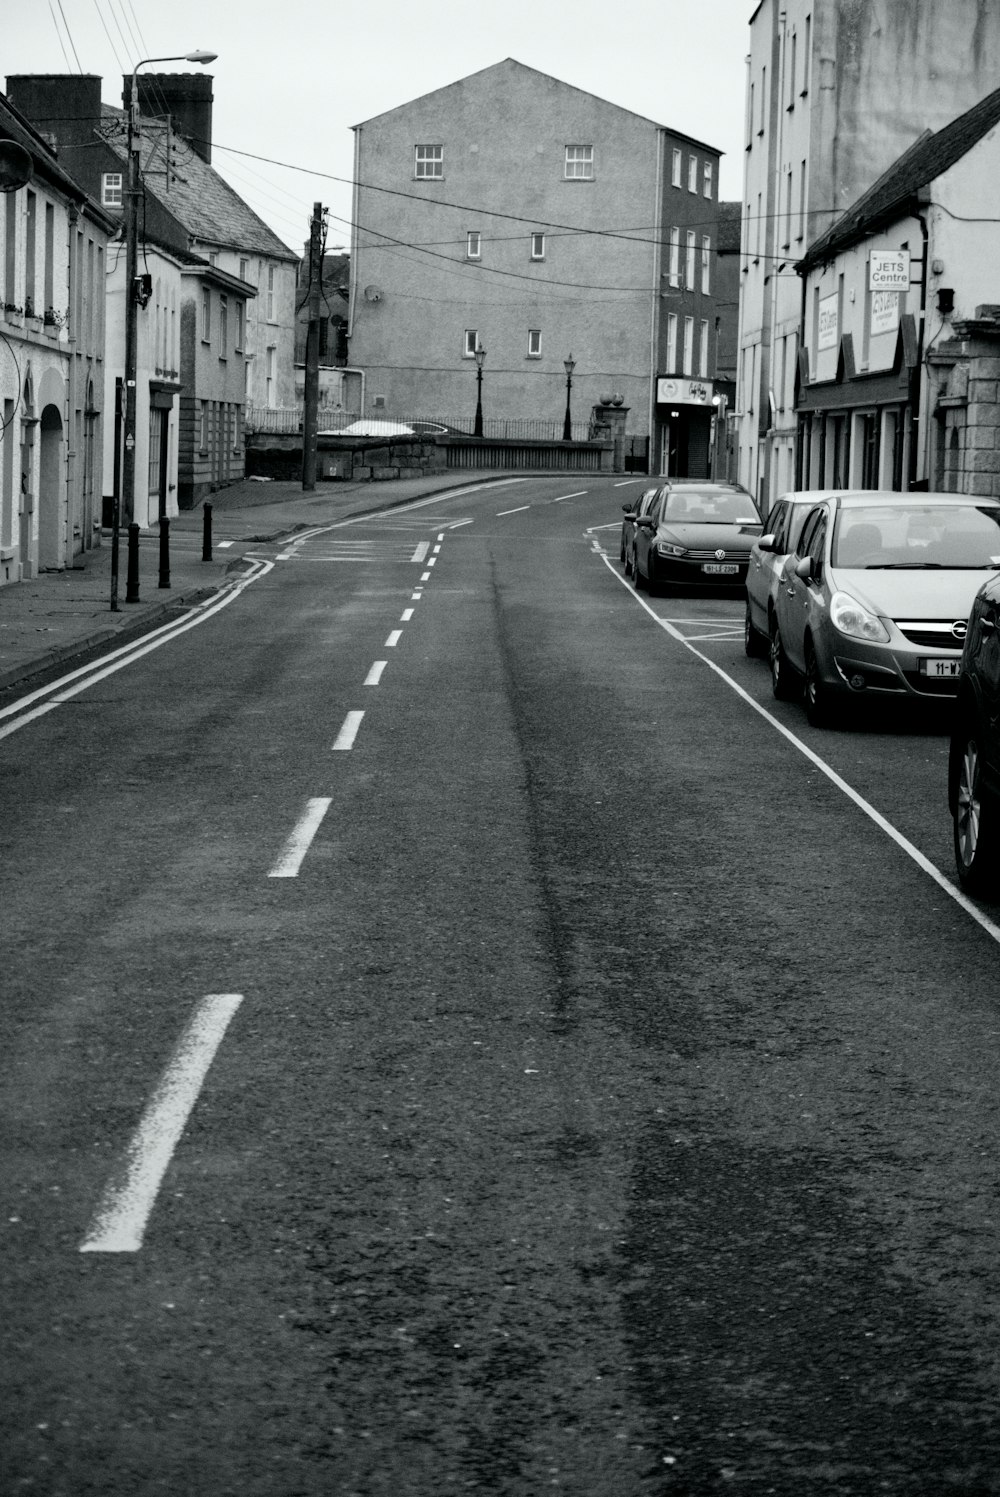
point(292, 78)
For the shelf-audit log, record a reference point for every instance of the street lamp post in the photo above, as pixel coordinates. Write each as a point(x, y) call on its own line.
point(480, 361)
point(126, 499)
point(569, 365)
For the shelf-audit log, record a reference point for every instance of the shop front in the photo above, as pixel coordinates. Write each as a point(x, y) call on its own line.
point(684, 438)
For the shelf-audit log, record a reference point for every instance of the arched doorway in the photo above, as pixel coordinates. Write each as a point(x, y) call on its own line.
point(51, 493)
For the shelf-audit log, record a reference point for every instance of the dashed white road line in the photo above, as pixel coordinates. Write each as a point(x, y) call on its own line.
point(299, 842)
point(425, 576)
point(125, 1207)
point(578, 495)
point(626, 481)
point(519, 510)
point(394, 639)
point(374, 676)
point(421, 551)
point(344, 740)
point(406, 615)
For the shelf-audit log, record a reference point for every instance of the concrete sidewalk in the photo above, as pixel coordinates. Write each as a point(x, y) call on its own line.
point(61, 614)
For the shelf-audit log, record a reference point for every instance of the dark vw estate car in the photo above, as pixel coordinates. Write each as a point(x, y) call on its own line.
point(694, 533)
point(974, 760)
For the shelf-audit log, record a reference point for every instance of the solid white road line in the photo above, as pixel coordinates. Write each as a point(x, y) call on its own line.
point(831, 774)
point(520, 510)
point(394, 639)
point(406, 615)
point(374, 676)
point(421, 551)
point(125, 655)
point(298, 844)
point(125, 1207)
point(348, 732)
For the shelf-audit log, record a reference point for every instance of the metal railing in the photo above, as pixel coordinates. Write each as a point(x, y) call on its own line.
point(287, 421)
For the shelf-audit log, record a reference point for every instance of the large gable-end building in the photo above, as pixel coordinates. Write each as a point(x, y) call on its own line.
point(579, 229)
point(53, 259)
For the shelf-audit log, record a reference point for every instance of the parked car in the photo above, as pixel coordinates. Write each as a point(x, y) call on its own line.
point(382, 427)
point(974, 757)
point(646, 498)
point(695, 532)
point(874, 600)
point(782, 529)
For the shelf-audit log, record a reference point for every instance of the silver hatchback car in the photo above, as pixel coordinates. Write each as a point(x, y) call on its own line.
point(875, 599)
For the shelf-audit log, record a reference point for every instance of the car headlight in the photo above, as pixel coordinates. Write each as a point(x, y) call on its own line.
point(847, 615)
point(667, 548)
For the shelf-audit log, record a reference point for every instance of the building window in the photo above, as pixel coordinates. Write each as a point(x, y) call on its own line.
point(428, 161)
point(538, 246)
point(789, 188)
point(534, 343)
point(111, 189)
point(473, 245)
point(688, 345)
point(692, 174)
point(269, 311)
point(791, 64)
point(244, 269)
point(675, 171)
point(203, 428)
point(706, 263)
point(240, 314)
point(703, 352)
point(689, 259)
point(206, 315)
point(709, 183)
point(805, 60)
point(763, 100)
point(471, 343)
point(671, 342)
point(269, 362)
point(223, 326)
point(675, 257)
point(579, 163)
point(802, 203)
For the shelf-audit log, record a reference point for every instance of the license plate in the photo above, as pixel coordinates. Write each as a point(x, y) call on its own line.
point(726, 568)
point(940, 668)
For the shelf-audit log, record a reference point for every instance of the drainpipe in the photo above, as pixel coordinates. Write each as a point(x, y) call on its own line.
point(916, 378)
point(72, 330)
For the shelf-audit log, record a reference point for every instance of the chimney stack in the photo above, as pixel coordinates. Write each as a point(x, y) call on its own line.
point(185, 97)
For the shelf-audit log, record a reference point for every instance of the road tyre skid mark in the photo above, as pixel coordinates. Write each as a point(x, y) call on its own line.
point(922, 862)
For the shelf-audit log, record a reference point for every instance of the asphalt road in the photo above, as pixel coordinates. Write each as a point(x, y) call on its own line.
point(459, 1034)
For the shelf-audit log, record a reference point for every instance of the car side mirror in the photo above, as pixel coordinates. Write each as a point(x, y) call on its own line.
point(767, 543)
point(803, 568)
point(628, 511)
point(646, 521)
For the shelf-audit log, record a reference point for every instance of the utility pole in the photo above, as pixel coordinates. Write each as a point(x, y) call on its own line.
point(310, 415)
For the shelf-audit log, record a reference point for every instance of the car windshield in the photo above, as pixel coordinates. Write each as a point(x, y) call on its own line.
point(917, 535)
point(696, 507)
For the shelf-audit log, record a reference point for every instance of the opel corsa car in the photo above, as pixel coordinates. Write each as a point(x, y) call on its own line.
point(874, 601)
point(632, 512)
point(974, 757)
point(695, 533)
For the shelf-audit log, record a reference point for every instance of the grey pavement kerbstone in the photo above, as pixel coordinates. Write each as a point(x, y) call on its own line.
point(60, 614)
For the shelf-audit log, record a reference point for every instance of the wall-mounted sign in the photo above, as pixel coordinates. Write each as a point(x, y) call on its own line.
point(828, 330)
point(683, 392)
point(885, 312)
point(888, 270)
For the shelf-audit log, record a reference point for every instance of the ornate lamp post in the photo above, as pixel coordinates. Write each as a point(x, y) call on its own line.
point(480, 361)
point(569, 365)
point(127, 497)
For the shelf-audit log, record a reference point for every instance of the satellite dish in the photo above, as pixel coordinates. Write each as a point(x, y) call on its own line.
point(373, 293)
point(15, 166)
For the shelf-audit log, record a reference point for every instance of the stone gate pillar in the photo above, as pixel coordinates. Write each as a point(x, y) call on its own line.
point(608, 421)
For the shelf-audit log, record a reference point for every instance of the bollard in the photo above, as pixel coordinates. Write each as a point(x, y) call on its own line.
point(206, 538)
point(164, 552)
point(132, 578)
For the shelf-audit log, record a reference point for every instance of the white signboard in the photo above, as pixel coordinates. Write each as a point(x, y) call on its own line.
point(885, 312)
point(683, 392)
point(828, 329)
point(889, 270)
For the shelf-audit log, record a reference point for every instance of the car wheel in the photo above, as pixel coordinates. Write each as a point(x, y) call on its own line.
point(815, 695)
point(753, 643)
point(782, 675)
point(975, 822)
